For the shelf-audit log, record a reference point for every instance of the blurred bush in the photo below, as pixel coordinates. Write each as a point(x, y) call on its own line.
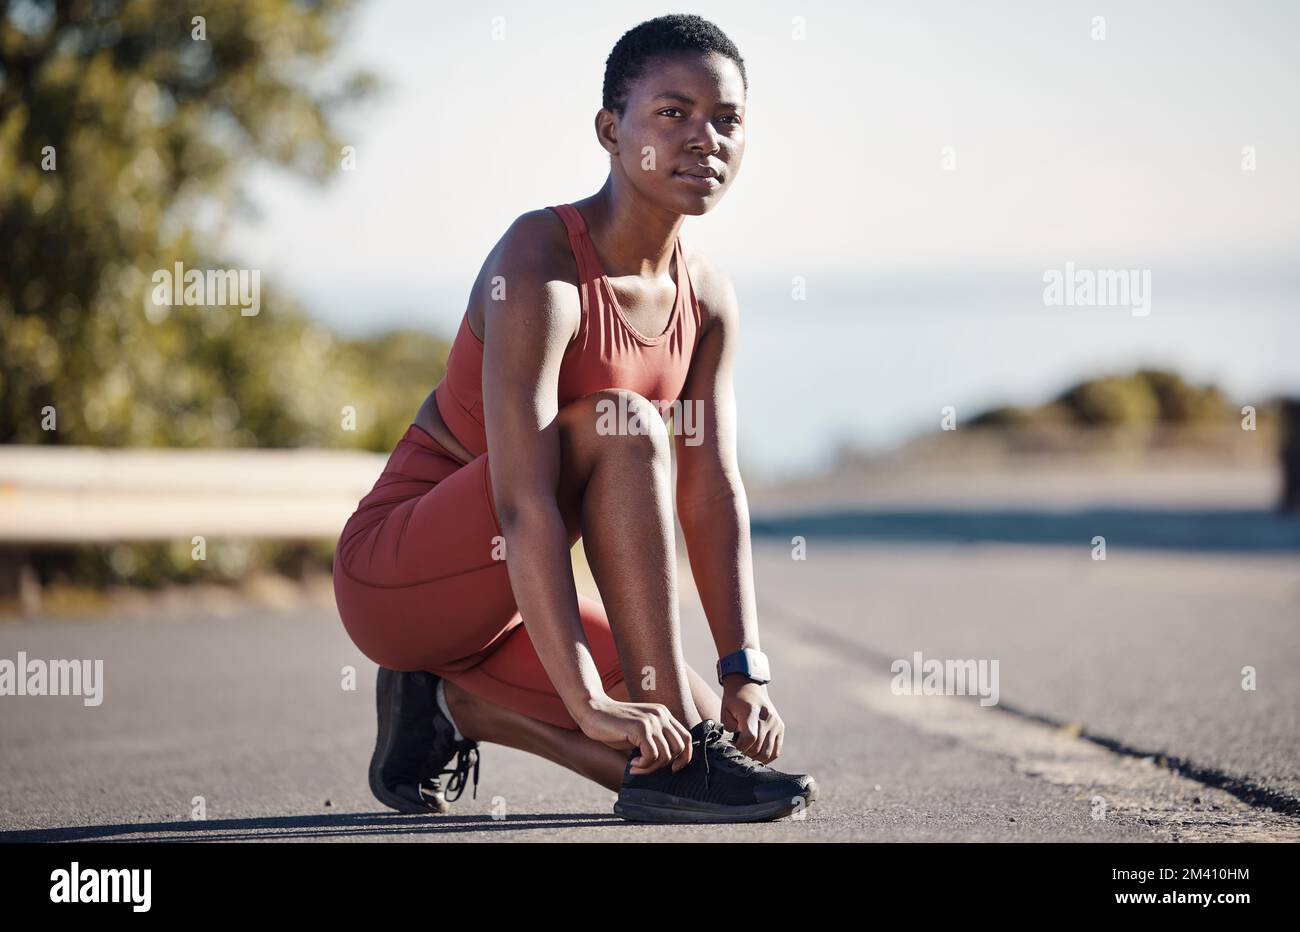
point(151, 565)
point(125, 131)
point(122, 126)
point(1143, 398)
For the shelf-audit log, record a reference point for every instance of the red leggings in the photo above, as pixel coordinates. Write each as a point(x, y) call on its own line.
point(419, 585)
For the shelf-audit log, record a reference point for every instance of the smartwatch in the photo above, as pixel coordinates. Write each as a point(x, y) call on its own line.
point(748, 661)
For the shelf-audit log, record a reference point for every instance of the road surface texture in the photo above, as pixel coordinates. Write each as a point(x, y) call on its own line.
point(1120, 715)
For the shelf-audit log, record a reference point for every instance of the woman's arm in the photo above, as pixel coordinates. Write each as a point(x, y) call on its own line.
point(714, 511)
point(525, 338)
point(711, 503)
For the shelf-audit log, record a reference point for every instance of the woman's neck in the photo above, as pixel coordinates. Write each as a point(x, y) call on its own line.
point(633, 236)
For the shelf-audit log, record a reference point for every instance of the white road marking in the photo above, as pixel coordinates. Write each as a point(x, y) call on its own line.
point(1134, 787)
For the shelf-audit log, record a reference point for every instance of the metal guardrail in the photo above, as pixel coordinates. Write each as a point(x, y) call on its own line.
point(91, 494)
point(52, 495)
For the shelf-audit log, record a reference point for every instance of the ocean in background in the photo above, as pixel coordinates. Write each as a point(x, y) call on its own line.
point(871, 361)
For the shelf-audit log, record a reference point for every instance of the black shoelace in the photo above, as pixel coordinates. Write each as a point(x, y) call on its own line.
point(713, 733)
point(466, 757)
point(732, 756)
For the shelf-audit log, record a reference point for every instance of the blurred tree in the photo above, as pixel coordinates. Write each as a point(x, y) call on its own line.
point(1004, 416)
point(1144, 397)
point(1180, 402)
point(1112, 401)
point(125, 128)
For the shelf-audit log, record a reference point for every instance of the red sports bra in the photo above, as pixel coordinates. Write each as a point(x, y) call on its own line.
point(607, 353)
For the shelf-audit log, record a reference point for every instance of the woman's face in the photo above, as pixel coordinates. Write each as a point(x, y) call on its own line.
point(685, 116)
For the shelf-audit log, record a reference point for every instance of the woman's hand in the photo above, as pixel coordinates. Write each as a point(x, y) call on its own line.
point(646, 726)
point(747, 710)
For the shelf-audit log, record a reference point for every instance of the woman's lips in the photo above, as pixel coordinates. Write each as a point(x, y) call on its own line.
point(707, 184)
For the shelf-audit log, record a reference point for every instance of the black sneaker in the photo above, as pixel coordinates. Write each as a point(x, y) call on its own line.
point(720, 784)
point(414, 744)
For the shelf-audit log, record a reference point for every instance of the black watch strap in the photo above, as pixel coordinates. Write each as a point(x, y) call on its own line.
point(748, 661)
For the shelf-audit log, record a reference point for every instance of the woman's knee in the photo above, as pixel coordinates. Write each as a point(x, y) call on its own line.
point(600, 426)
point(615, 418)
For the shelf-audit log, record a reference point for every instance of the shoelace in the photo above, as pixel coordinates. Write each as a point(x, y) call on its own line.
point(465, 758)
point(713, 733)
point(731, 755)
point(735, 757)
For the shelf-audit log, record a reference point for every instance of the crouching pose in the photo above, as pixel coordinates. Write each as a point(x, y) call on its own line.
point(589, 324)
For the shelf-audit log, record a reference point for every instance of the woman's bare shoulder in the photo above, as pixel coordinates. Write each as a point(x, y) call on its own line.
point(539, 237)
point(532, 261)
point(716, 294)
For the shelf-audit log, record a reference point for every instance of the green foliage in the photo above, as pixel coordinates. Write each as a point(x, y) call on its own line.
point(147, 126)
point(1005, 416)
point(123, 139)
point(1182, 403)
point(1143, 398)
point(385, 377)
point(1112, 401)
point(153, 564)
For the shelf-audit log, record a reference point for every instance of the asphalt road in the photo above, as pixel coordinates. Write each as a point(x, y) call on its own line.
point(1142, 653)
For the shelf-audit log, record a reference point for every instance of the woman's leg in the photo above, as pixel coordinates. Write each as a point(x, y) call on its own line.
point(437, 548)
point(614, 492)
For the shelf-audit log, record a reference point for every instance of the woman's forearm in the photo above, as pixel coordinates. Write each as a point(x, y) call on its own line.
point(541, 577)
point(718, 545)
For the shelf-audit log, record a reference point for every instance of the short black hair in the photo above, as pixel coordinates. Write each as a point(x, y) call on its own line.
point(663, 35)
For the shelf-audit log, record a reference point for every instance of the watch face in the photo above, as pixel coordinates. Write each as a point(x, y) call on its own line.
point(748, 662)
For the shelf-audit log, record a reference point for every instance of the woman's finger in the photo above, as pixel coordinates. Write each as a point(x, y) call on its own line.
point(675, 744)
point(665, 752)
point(767, 747)
point(749, 732)
point(760, 733)
point(649, 756)
point(688, 752)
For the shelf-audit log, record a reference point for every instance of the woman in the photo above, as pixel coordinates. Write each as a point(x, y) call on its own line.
point(587, 327)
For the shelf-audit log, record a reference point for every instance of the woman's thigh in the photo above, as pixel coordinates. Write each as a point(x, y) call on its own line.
point(420, 576)
point(512, 674)
point(421, 581)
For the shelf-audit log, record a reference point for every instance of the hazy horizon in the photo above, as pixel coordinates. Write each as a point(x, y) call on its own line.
point(1120, 153)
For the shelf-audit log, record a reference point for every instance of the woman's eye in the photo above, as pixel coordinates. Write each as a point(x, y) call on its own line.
point(667, 111)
